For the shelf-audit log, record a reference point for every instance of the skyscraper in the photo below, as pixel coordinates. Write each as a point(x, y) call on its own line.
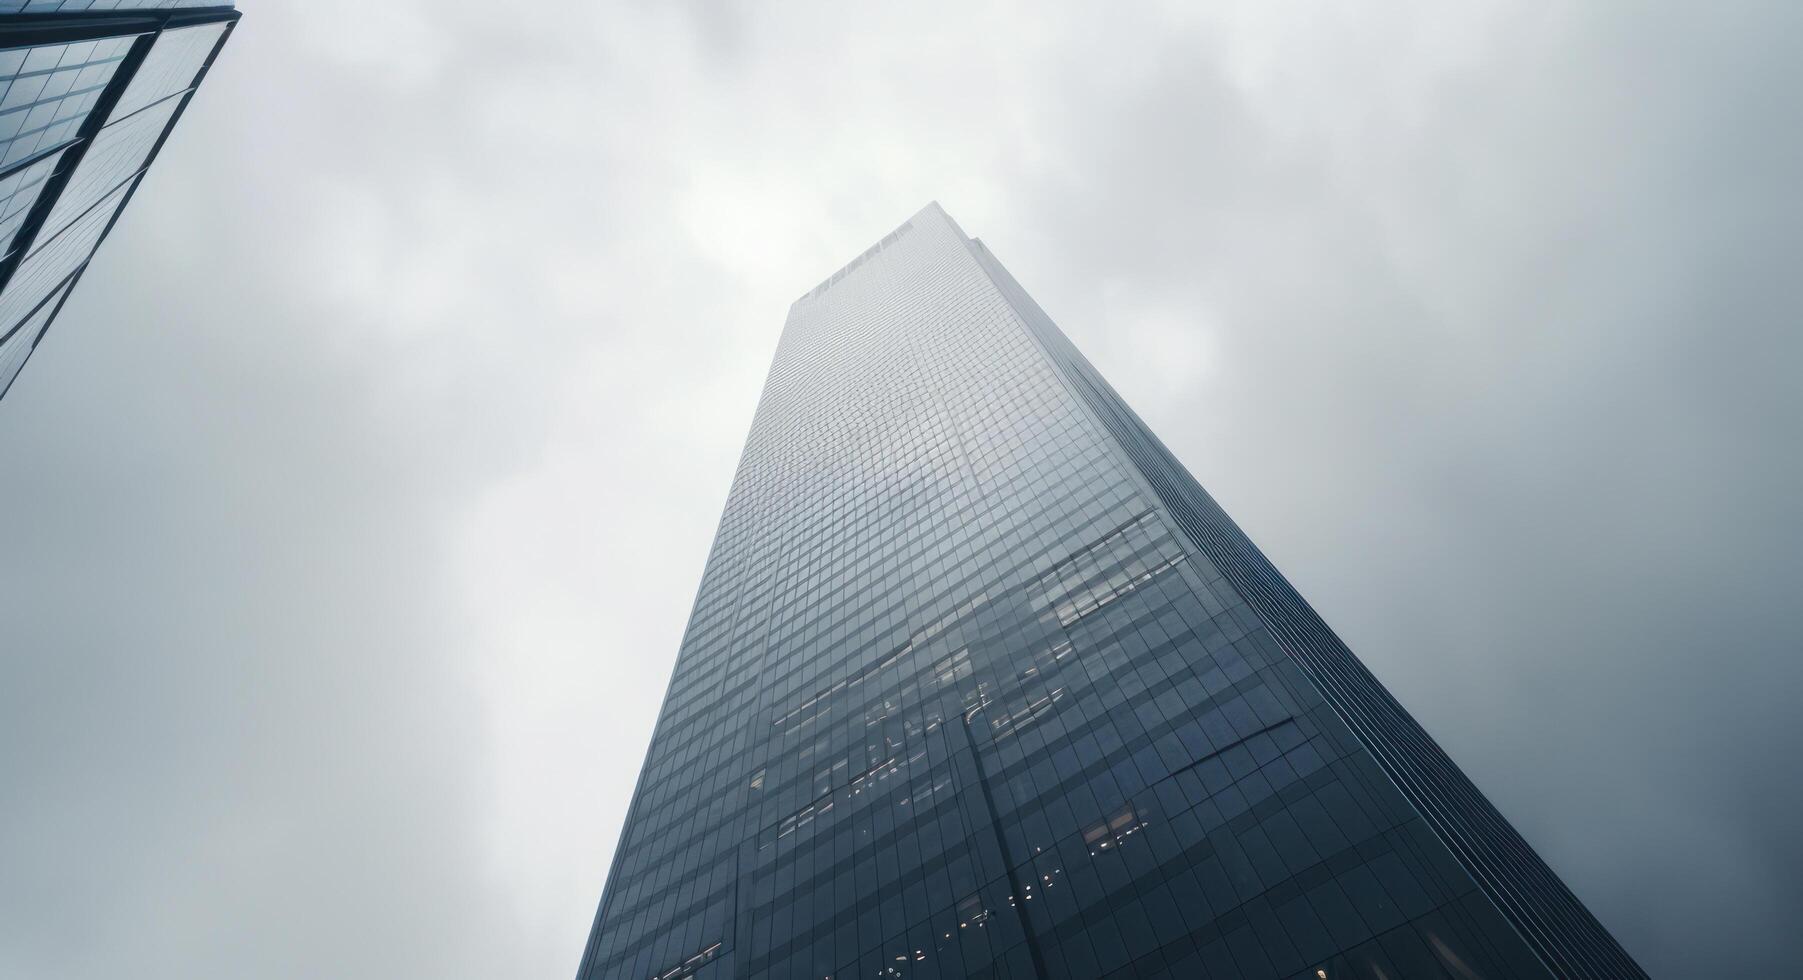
point(89, 90)
point(980, 682)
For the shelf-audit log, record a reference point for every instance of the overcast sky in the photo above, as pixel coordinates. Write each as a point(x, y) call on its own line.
point(355, 504)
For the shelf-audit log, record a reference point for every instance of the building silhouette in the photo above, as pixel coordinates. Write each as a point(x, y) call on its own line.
point(89, 90)
point(980, 682)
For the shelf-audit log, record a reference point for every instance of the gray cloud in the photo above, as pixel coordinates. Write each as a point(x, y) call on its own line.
point(359, 496)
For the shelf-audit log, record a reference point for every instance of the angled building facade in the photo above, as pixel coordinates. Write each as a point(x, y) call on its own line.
point(980, 683)
point(89, 90)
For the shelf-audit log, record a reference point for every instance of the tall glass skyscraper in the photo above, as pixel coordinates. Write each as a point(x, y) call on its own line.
point(89, 90)
point(981, 683)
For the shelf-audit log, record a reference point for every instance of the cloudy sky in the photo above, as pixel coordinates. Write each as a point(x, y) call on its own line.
point(357, 499)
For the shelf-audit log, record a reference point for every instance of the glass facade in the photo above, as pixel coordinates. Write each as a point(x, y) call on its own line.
point(979, 683)
point(92, 6)
point(86, 99)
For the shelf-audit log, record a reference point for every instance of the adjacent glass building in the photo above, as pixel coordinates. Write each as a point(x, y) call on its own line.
point(89, 90)
point(981, 683)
